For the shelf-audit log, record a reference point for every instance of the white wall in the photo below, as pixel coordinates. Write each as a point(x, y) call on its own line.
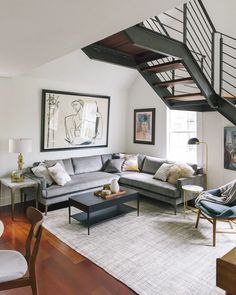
point(210, 129)
point(213, 134)
point(20, 116)
point(141, 95)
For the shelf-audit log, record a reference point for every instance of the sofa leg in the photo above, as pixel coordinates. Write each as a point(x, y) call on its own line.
point(175, 209)
point(46, 210)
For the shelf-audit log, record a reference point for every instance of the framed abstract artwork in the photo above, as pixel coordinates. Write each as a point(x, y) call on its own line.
point(230, 148)
point(73, 120)
point(144, 126)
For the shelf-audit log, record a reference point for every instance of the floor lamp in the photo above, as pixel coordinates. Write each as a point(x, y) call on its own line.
point(196, 141)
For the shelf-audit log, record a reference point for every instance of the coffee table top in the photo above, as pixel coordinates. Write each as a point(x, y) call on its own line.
point(89, 199)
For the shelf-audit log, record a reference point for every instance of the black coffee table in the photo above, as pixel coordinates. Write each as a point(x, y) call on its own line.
point(96, 209)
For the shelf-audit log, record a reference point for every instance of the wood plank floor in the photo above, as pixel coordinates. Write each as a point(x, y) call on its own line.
point(60, 270)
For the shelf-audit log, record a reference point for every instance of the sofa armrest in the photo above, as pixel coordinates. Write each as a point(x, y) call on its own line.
point(41, 181)
point(199, 179)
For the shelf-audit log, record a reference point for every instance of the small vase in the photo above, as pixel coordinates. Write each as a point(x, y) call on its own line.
point(115, 188)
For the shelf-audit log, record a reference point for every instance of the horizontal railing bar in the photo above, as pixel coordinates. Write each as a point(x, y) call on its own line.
point(148, 21)
point(205, 14)
point(229, 74)
point(228, 54)
point(177, 8)
point(207, 24)
point(171, 16)
point(172, 28)
point(193, 41)
point(229, 46)
point(162, 27)
point(199, 40)
point(226, 35)
point(196, 44)
point(229, 65)
point(229, 83)
point(228, 92)
point(207, 34)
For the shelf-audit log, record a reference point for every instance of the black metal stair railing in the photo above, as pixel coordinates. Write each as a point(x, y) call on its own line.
point(192, 26)
point(227, 68)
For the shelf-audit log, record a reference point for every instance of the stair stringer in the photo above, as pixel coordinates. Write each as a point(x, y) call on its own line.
point(162, 44)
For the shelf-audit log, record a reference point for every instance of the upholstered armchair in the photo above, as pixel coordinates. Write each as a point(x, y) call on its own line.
point(214, 212)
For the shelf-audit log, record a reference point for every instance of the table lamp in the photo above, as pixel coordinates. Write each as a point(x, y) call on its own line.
point(196, 141)
point(19, 146)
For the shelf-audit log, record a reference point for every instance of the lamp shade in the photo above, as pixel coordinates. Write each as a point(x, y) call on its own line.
point(20, 145)
point(193, 140)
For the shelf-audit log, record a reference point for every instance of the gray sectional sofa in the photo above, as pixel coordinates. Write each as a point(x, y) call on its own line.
point(87, 174)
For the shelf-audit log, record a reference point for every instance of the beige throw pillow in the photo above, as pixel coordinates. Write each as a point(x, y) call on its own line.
point(42, 171)
point(179, 170)
point(59, 174)
point(163, 172)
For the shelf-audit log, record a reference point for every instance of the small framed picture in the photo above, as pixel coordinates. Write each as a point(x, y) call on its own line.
point(144, 126)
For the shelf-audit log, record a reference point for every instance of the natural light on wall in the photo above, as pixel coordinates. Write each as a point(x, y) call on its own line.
point(182, 126)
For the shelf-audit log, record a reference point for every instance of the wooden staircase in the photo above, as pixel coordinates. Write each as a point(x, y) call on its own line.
point(156, 56)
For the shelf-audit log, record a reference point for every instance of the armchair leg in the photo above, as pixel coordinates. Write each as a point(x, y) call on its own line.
point(214, 232)
point(198, 218)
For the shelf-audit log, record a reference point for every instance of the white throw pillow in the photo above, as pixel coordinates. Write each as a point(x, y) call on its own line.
point(42, 171)
point(163, 172)
point(59, 174)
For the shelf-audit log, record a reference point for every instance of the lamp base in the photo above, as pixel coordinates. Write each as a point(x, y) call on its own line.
point(17, 176)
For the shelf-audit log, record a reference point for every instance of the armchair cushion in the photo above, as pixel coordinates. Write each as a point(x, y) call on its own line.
point(217, 210)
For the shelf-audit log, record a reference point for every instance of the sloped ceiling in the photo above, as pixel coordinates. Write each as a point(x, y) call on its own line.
point(33, 32)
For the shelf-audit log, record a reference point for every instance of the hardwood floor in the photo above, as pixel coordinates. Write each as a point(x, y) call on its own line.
point(59, 269)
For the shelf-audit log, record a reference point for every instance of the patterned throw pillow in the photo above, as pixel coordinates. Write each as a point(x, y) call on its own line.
point(130, 163)
point(163, 172)
point(42, 171)
point(59, 174)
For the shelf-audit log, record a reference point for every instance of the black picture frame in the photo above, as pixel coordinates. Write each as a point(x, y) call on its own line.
point(51, 100)
point(144, 118)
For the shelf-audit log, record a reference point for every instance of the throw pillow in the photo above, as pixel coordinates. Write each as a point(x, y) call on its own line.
point(163, 172)
point(130, 163)
point(114, 165)
point(59, 174)
point(179, 170)
point(42, 171)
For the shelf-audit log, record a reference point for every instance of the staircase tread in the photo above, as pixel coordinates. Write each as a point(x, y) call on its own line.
point(171, 83)
point(168, 66)
point(186, 97)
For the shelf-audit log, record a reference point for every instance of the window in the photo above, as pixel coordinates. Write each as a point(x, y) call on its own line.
point(182, 126)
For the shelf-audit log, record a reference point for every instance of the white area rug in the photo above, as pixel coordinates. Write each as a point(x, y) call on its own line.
point(156, 253)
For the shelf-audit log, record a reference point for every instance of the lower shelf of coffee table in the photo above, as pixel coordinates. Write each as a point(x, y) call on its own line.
point(104, 214)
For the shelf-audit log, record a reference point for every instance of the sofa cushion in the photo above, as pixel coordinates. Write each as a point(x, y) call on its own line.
point(87, 164)
point(80, 182)
point(147, 182)
point(152, 164)
point(68, 166)
point(105, 158)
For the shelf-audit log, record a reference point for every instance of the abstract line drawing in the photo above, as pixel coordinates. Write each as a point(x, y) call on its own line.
point(73, 120)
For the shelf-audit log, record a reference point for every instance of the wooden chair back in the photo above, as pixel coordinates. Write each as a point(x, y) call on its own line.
point(35, 218)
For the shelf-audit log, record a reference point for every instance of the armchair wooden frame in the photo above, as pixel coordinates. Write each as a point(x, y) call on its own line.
point(35, 218)
point(231, 221)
